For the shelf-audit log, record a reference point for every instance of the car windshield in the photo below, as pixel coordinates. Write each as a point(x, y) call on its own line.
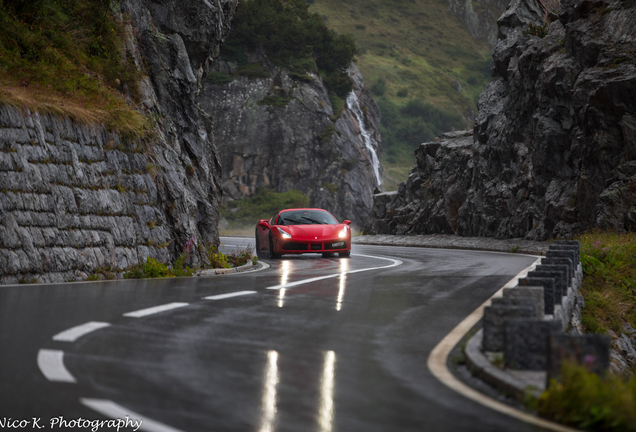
point(306, 217)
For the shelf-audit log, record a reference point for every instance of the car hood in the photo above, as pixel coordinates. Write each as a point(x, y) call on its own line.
point(310, 232)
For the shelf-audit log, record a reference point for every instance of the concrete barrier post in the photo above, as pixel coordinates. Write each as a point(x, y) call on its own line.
point(494, 317)
point(526, 342)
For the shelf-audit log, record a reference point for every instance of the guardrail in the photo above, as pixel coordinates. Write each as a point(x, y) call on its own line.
point(527, 331)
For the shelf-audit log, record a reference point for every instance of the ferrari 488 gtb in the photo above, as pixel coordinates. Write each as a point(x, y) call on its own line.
point(297, 231)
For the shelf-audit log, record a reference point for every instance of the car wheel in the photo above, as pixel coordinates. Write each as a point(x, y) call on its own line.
point(344, 254)
point(259, 253)
point(272, 255)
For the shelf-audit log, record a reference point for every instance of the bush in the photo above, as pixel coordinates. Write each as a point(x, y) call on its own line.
point(253, 70)
point(379, 87)
point(218, 78)
point(590, 402)
point(274, 101)
point(337, 105)
point(217, 259)
point(536, 30)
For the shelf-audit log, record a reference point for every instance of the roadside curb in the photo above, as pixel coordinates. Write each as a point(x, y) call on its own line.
point(222, 271)
point(448, 241)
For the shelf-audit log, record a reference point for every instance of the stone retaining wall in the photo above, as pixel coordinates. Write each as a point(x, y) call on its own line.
point(73, 199)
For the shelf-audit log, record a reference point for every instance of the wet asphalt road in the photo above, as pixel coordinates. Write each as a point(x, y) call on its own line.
point(337, 354)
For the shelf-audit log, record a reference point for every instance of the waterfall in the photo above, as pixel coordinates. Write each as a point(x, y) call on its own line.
point(354, 105)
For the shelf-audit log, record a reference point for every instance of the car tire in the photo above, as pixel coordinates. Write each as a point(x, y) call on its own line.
point(344, 254)
point(259, 253)
point(272, 255)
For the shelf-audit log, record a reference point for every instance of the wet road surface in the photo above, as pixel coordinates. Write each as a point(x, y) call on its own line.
point(345, 351)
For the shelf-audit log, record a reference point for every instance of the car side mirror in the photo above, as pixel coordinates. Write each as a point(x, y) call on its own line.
point(346, 222)
point(264, 223)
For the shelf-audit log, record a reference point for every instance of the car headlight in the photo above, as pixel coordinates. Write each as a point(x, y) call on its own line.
point(343, 233)
point(285, 234)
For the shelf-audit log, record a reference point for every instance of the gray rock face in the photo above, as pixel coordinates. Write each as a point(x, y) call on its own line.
point(76, 198)
point(297, 145)
point(554, 143)
point(480, 17)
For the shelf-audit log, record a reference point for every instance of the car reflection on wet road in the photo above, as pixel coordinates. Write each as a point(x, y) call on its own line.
point(309, 344)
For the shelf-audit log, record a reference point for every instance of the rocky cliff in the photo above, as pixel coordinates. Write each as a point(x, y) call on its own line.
point(76, 199)
point(279, 131)
point(480, 16)
point(553, 151)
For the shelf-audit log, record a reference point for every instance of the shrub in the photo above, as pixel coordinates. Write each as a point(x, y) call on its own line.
point(585, 400)
point(379, 87)
point(325, 135)
point(217, 259)
point(240, 256)
point(218, 78)
point(536, 30)
point(151, 268)
point(253, 70)
point(274, 101)
point(337, 106)
point(332, 188)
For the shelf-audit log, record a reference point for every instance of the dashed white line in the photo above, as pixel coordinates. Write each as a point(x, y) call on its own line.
point(229, 295)
point(51, 364)
point(74, 333)
point(155, 309)
point(396, 263)
point(112, 410)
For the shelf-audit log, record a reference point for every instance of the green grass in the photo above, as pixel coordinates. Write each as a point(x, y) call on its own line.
point(587, 401)
point(65, 57)
point(419, 49)
point(609, 285)
point(265, 203)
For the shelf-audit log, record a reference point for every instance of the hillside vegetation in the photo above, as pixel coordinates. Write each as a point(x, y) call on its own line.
point(64, 57)
point(425, 69)
point(291, 37)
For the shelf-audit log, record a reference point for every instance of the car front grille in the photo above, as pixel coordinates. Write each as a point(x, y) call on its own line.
point(316, 246)
point(294, 246)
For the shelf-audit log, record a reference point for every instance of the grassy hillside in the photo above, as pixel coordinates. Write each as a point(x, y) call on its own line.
point(64, 57)
point(413, 50)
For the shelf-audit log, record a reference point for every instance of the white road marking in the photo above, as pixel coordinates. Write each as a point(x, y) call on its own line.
point(439, 356)
point(153, 310)
point(229, 295)
point(51, 364)
point(111, 410)
point(74, 333)
point(335, 275)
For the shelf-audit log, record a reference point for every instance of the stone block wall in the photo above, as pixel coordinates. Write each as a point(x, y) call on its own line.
point(73, 199)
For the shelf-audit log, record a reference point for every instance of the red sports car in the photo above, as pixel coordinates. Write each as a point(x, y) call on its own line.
point(297, 231)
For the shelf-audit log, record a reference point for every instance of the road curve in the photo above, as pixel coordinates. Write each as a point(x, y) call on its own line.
point(310, 344)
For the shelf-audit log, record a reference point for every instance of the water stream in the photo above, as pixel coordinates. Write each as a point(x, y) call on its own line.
point(354, 105)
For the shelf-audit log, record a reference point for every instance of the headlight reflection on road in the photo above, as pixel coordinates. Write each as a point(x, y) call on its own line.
point(344, 266)
point(283, 281)
point(325, 415)
point(268, 409)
